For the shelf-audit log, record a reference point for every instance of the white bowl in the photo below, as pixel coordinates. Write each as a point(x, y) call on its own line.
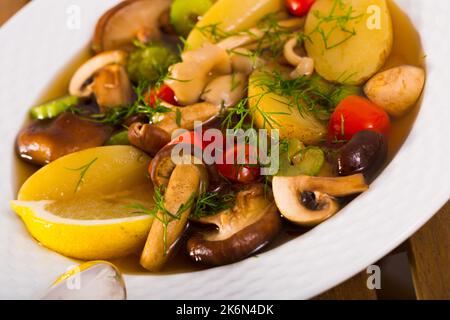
point(38, 43)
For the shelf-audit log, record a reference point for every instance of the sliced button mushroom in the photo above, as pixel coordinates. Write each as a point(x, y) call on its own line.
point(244, 61)
point(45, 141)
point(188, 79)
point(79, 84)
point(308, 201)
point(184, 185)
point(112, 87)
point(129, 20)
point(304, 66)
point(185, 117)
point(251, 224)
point(226, 90)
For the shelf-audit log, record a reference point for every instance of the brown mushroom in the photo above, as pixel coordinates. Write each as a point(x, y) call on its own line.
point(308, 201)
point(112, 87)
point(147, 137)
point(129, 20)
point(42, 142)
point(162, 165)
point(203, 112)
point(184, 185)
point(250, 225)
point(79, 84)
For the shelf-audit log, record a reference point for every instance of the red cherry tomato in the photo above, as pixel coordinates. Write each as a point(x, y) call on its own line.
point(299, 8)
point(164, 93)
point(243, 173)
point(355, 114)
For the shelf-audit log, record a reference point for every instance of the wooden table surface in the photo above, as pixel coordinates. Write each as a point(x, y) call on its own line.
point(428, 250)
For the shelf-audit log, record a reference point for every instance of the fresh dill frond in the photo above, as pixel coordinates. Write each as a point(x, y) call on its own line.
point(335, 22)
point(160, 212)
point(83, 170)
point(211, 203)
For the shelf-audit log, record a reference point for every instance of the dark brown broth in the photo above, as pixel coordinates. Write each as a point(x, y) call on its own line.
point(407, 49)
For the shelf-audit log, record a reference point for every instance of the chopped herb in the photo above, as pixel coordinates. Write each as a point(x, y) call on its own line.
point(335, 22)
point(211, 203)
point(160, 213)
point(83, 170)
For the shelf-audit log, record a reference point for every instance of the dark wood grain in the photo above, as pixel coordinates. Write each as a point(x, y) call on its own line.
point(9, 7)
point(352, 289)
point(429, 253)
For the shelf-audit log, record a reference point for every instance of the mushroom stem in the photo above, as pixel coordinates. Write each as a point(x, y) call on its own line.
point(184, 185)
point(304, 66)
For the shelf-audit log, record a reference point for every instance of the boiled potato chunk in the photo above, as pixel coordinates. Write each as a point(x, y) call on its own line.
point(349, 47)
point(272, 111)
point(231, 15)
point(88, 174)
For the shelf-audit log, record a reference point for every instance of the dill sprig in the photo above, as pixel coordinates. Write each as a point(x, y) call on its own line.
point(116, 116)
point(338, 22)
point(160, 212)
point(211, 203)
point(302, 94)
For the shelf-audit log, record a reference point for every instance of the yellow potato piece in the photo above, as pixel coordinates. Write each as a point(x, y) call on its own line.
point(349, 40)
point(231, 15)
point(272, 111)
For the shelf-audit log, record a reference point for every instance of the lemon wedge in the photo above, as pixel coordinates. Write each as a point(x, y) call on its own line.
point(85, 209)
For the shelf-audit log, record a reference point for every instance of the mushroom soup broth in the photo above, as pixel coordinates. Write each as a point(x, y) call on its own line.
point(406, 50)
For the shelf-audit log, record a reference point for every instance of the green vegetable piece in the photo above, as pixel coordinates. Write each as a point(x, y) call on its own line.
point(150, 63)
point(343, 92)
point(119, 139)
point(298, 160)
point(184, 14)
point(53, 108)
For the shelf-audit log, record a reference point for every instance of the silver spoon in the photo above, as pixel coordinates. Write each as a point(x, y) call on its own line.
point(96, 280)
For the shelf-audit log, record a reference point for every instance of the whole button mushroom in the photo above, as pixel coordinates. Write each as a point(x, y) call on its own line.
point(250, 225)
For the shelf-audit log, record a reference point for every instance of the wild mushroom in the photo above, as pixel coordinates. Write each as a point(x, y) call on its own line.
point(226, 90)
point(244, 61)
point(256, 34)
point(250, 225)
point(304, 66)
point(129, 20)
point(189, 78)
point(148, 137)
point(308, 201)
point(79, 84)
point(112, 87)
point(163, 164)
point(184, 185)
point(45, 141)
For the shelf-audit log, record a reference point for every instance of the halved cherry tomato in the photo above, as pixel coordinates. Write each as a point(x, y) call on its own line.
point(243, 173)
point(164, 93)
point(355, 114)
point(299, 8)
